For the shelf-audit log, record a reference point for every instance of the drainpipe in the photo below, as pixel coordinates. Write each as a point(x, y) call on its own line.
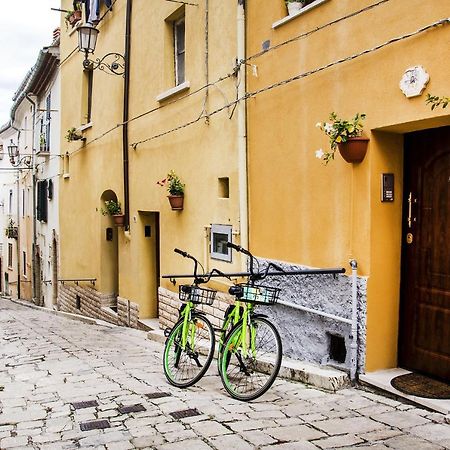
point(354, 332)
point(33, 256)
point(242, 131)
point(126, 98)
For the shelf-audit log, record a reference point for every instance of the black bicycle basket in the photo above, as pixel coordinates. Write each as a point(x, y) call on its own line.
point(262, 295)
point(196, 294)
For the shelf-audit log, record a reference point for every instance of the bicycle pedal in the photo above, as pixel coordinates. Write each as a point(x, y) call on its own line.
point(167, 332)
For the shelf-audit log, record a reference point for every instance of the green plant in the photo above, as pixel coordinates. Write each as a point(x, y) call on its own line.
point(112, 208)
point(436, 101)
point(11, 229)
point(42, 141)
point(173, 184)
point(339, 131)
point(72, 135)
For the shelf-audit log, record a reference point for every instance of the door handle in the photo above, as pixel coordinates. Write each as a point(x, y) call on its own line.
point(411, 200)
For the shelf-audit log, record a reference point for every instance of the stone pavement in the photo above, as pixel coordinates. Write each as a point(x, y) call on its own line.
point(49, 362)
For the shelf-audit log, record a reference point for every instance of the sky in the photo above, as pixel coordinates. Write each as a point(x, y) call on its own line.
point(25, 27)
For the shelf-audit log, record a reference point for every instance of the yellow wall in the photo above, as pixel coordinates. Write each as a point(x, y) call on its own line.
point(304, 212)
point(199, 154)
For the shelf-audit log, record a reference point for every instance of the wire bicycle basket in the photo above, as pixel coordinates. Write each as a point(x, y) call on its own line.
point(196, 294)
point(262, 295)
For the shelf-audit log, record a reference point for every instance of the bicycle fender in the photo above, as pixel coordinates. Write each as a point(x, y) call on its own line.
point(260, 315)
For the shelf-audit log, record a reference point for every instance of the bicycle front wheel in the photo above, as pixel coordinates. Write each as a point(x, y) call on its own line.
point(185, 364)
point(251, 359)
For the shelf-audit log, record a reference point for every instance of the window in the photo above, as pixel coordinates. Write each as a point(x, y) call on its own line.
point(41, 207)
point(88, 82)
point(10, 255)
point(179, 50)
point(48, 104)
point(220, 235)
point(23, 203)
point(10, 202)
point(50, 189)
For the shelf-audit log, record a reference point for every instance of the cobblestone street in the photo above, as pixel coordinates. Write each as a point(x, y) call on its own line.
point(49, 362)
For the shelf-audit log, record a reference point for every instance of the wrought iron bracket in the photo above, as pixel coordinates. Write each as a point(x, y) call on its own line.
point(24, 161)
point(112, 63)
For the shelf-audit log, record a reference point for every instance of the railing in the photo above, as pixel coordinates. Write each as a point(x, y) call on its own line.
point(77, 280)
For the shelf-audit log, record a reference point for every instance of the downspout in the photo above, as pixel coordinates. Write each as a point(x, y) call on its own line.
point(33, 256)
point(126, 98)
point(242, 131)
point(354, 332)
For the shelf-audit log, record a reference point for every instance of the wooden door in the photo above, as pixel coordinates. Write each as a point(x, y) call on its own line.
point(424, 340)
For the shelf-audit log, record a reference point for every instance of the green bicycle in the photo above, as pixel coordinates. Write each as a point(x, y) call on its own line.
point(250, 354)
point(190, 343)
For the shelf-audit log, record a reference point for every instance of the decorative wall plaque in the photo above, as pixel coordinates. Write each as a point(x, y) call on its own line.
point(414, 81)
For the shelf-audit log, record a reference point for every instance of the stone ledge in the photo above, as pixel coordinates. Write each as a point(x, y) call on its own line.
point(325, 378)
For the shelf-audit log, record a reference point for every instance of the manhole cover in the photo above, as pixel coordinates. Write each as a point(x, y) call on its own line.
point(131, 408)
point(184, 413)
point(95, 425)
point(85, 404)
point(158, 395)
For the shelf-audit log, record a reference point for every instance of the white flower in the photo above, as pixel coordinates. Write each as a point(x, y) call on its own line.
point(319, 125)
point(328, 128)
point(319, 154)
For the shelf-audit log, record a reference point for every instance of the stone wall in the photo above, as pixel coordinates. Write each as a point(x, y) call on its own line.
point(305, 336)
point(87, 301)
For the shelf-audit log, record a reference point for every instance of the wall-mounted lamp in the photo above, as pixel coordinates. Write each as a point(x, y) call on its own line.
point(112, 63)
point(13, 153)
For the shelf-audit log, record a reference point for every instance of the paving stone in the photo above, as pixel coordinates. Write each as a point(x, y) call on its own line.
point(209, 428)
point(294, 433)
point(257, 438)
point(348, 426)
point(406, 442)
point(381, 434)
point(13, 442)
point(400, 419)
point(297, 445)
point(251, 425)
point(434, 432)
point(230, 442)
point(343, 440)
point(148, 441)
point(196, 444)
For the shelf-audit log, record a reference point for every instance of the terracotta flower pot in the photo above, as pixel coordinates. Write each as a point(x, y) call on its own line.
point(354, 149)
point(119, 219)
point(176, 202)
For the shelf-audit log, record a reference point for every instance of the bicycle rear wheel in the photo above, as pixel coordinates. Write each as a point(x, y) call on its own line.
point(247, 374)
point(183, 367)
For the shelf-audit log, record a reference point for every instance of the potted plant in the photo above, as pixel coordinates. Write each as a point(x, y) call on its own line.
point(113, 209)
point(11, 230)
point(346, 136)
point(72, 135)
point(42, 143)
point(176, 190)
point(74, 15)
point(294, 6)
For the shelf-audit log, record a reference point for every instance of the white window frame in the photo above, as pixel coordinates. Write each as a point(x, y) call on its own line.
point(221, 230)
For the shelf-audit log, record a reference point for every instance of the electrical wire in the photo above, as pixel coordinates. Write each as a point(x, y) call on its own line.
point(248, 95)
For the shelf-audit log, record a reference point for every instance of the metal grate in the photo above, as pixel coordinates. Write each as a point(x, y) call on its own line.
point(157, 395)
point(95, 425)
point(85, 404)
point(185, 413)
point(131, 408)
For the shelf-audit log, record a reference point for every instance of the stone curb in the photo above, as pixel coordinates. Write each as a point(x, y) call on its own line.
point(325, 378)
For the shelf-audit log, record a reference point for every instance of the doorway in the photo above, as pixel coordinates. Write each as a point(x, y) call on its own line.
point(149, 269)
point(424, 337)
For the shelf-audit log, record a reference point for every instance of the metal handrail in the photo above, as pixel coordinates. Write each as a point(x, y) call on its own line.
point(77, 280)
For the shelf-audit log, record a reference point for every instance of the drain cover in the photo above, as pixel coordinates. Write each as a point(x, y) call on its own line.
point(131, 408)
point(85, 404)
point(158, 395)
point(184, 413)
point(95, 425)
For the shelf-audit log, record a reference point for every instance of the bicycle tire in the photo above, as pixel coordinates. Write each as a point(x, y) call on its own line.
point(248, 377)
point(184, 367)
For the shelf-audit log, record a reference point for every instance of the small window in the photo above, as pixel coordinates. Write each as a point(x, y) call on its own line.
point(179, 50)
point(10, 255)
point(50, 189)
point(220, 235)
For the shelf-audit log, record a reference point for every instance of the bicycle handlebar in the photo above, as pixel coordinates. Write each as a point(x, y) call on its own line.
point(182, 253)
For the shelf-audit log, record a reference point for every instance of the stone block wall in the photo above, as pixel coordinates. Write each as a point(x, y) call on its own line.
point(96, 305)
point(169, 305)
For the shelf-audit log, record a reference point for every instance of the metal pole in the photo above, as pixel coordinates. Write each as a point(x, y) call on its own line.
point(354, 322)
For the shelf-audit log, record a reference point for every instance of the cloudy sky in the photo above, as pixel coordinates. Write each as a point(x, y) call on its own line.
point(25, 27)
